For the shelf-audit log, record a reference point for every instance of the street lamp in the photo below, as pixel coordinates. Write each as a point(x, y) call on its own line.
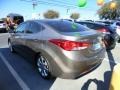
point(34, 5)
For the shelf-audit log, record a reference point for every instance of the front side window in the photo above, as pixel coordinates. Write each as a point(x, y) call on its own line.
point(21, 28)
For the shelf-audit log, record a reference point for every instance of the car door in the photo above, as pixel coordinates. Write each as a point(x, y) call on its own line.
point(32, 37)
point(18, 37)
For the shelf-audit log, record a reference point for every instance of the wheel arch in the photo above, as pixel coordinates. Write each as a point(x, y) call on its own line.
point(55, 70)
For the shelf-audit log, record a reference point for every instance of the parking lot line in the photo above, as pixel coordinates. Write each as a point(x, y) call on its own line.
point(14, 73)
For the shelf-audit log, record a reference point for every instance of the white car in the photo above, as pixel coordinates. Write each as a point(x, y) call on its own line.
point(2, 26)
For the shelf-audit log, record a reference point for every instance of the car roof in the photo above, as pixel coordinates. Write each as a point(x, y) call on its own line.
point(47, 20)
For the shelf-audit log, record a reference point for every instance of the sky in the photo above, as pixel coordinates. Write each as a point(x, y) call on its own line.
point(26, 8)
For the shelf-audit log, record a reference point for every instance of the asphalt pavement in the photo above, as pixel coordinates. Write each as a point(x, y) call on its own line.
point(16, 73)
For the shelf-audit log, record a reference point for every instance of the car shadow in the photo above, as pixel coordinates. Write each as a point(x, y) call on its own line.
point(27, 71)
point(102, 85)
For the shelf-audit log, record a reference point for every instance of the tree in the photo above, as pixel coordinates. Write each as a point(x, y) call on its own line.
point(75, 16)
point(109, 12)
point(51, 14)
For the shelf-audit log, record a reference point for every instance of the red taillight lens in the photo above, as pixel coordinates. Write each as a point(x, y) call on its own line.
point(70, 45)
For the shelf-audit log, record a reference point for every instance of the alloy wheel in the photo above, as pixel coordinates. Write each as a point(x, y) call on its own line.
point(43, 67)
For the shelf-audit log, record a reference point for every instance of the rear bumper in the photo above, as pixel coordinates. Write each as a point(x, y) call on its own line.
point(72, 64)
point(89, 70)
point(81, 71)
point(73, 69)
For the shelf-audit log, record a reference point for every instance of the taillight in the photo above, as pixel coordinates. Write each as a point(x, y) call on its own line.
point(70, 45)
point(103, 30)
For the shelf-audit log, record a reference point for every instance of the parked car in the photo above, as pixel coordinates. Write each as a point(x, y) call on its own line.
point(107, 22)
point(2, 27)
point(13, 20)
point(118, 30)
point(115, 25)
point(58, 49)
point(16, 18)
point(110, 37)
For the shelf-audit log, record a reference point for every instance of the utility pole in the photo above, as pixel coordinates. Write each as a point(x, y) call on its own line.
point(34, 4)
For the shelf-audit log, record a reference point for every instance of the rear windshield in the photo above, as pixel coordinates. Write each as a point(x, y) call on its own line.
point(66, 26)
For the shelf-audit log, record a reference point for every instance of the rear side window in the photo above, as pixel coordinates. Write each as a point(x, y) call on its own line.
point(66, 26)
point(34, 27)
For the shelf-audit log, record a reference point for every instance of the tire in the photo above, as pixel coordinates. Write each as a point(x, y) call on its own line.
point(11, 47)
point(43, 67)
